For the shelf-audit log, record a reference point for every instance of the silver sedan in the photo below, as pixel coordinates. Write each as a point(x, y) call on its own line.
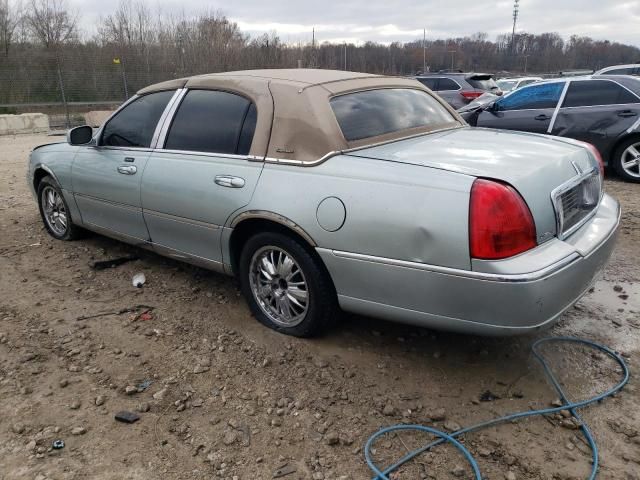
point(323, 190)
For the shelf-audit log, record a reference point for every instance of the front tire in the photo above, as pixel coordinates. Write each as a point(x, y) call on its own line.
point(626, 160)
point(287, 288)
point(54, 211)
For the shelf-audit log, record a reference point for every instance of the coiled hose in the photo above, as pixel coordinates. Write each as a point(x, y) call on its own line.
point(451, 438)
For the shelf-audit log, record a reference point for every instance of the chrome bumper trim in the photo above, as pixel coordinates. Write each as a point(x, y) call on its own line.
point(491, 277)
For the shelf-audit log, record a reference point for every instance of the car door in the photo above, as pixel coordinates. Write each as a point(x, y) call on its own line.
point(106, 176)
point(201, 175)
point(596, 111)
point(529, 109)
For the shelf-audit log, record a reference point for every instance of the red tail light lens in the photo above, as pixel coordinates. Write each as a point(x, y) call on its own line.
point(500, 223)
point(470, 94)
point(594, 151)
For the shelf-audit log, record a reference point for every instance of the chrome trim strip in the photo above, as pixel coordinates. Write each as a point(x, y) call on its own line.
point(558, 107)
point(163, 117)
point(267, 215)
point(109, 202)
point(492, 277)
point(185, 220)
point(555, 200)
point(210, 154)
point(168, 119)
point(327, 156)
point(189, 258)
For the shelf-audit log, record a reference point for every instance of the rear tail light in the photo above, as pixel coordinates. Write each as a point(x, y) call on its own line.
point(500, 223)
point(594, 151)
point(470, 94)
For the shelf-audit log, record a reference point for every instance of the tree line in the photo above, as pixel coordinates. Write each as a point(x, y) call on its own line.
point(43, 51)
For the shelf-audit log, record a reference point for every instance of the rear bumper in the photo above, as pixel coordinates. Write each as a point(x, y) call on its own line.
point(513, 296)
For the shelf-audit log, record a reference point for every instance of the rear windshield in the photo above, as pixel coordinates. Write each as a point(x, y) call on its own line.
point(483, 82)
point(377, 112)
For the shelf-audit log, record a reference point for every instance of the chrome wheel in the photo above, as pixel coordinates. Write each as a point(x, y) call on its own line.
point(279, 286)
point(55, 213)
point(630, 160)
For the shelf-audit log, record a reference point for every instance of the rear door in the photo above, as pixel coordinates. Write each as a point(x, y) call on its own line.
point(202, 174)
point(596, 111)
point(528, 109)
point(106, 177)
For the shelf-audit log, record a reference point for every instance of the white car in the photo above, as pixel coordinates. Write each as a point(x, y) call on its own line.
point(511, 84)
point(630, 69)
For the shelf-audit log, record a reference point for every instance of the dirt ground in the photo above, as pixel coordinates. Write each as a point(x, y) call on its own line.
point(220, 396)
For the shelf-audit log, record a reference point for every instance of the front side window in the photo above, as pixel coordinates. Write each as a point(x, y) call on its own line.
point(589, 93)
point(213, 121)
point(134, 125)
point(377, 112)
point(536, 97)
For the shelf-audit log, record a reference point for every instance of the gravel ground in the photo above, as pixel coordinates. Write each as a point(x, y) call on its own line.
point(220, 396)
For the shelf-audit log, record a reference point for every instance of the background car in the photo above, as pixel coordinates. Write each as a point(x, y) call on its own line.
point(323, 189)
point(458, 88)
point(601, 110)
point(511, 84)
point(631, 69)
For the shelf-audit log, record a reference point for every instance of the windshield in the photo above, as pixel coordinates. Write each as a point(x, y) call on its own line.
point(507, 85)
point(377, 112)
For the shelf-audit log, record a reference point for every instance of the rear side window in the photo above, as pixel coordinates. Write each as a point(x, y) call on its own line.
point(482, 82)
point(377, 112)
point(620, 71)
point(134, 125)
point(430, 83)
point(448, 84)
point(535, 97)
point(212, 121)
point(597, 92)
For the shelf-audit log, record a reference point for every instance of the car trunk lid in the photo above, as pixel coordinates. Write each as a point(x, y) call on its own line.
point(535, 165)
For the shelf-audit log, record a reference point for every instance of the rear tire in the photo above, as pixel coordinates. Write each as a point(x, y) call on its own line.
point(626, 160)
point(55, 211)
point(287, 288)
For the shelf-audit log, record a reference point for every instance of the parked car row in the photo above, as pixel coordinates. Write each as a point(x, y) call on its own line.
point(603, 110)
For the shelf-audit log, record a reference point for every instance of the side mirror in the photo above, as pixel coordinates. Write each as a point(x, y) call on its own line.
point(80, 135)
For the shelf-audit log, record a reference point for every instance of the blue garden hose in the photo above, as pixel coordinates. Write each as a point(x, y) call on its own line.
point(451, 438)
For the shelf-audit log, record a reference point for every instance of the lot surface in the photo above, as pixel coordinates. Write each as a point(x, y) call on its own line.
point(227, 398)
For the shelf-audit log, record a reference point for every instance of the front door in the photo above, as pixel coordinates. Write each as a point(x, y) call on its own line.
point(528, 109)
point(106, 177)
point(202, 174)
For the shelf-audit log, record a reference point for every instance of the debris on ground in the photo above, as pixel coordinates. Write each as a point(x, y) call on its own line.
point(127, 417)
point(139, 280)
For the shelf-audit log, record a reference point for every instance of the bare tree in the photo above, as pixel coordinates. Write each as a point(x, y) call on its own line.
point(10, 18)
point(51, 23)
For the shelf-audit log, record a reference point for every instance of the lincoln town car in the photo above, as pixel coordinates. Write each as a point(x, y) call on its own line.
point(326, 191)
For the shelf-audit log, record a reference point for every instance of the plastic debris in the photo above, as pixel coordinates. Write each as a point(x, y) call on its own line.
point(139, 280)
point(144, 385)
point(127, 417)
point(284, 470)
point(57, 444)
point(114, 262)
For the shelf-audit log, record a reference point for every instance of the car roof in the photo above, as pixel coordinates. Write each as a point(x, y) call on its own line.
point(615, 67)
point(295, 120)
point(513, 79)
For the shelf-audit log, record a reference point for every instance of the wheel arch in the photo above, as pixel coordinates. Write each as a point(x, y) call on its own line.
point(249, 223)
point(41, 171)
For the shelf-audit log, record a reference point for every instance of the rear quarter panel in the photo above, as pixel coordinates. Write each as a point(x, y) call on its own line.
point(393, 210)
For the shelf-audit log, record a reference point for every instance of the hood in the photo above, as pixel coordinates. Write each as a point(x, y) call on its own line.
point(533, 164)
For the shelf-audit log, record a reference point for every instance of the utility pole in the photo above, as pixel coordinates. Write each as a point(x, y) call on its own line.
point(453, 54)
point(516, 8)
point(424, 51)
point(526, 57)
point(345, 56)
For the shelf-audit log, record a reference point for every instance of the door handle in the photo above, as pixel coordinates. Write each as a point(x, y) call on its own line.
point(229, 181)
point(627, 113)
point(127, 169)
point(542, 117)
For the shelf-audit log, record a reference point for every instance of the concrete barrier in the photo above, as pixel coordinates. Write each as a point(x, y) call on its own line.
point(24, 123)
point(96, 118)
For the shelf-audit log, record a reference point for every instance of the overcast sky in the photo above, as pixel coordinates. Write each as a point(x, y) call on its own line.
point(403, 20)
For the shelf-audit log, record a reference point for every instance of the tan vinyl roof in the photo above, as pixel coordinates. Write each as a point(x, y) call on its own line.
point(304, 127)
